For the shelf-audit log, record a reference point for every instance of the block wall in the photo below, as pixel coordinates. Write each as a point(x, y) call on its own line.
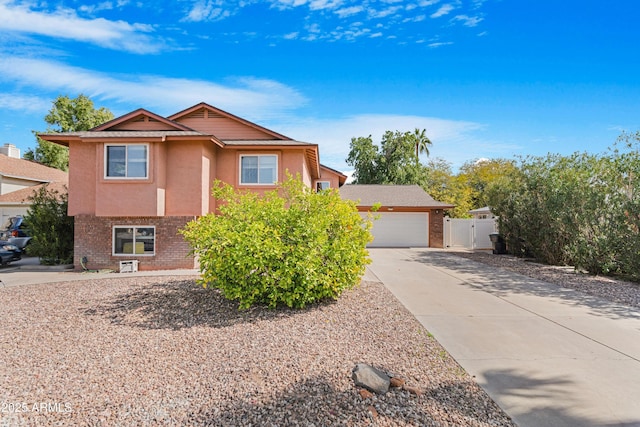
point(94, 239)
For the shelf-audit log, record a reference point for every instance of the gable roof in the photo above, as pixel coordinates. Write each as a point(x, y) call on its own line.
point(29, 170)
point(391, 195)
point(218, 112)
point(203, 122)
point(140, 115)
point(342, 178)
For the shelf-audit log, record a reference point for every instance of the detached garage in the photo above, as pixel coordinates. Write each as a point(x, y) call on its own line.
point(408, 216)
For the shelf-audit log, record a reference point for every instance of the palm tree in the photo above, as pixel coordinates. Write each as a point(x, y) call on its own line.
point(422, 142)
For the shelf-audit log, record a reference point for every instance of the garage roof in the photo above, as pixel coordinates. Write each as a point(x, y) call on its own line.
point(391, 195)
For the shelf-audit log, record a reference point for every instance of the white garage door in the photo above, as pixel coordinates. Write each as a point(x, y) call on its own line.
point(401, 230)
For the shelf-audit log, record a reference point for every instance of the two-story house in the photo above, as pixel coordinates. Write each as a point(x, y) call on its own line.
point(135, 181)
point(20, 179)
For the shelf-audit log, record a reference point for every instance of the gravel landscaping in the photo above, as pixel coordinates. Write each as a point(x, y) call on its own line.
point(608, 288)
point(162, 351)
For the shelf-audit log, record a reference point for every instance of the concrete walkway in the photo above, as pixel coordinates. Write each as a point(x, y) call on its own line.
point(548, 356)
point(28, 271)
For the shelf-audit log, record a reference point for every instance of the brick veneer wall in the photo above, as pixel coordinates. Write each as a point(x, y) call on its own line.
point(436, 228)
point(94, 235)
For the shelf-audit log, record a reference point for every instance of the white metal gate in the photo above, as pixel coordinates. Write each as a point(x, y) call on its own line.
point(469, 233)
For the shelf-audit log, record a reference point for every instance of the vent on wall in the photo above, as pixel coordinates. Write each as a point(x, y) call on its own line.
point(129, 266)
point(197, 114)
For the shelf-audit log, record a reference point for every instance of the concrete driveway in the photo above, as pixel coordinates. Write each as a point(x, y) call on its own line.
point(548, 356)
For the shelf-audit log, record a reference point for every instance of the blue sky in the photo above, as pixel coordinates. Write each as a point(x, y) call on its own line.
point(485, 78)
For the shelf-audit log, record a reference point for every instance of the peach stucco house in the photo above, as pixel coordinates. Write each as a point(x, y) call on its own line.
point(136, 180)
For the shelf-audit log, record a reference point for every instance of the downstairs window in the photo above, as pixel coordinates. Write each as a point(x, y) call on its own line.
point(129, 240)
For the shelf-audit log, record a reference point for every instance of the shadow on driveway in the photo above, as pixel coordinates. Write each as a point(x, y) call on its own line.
point(503, 283)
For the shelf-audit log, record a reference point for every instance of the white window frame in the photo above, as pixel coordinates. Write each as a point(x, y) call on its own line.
point(106, 162)
point(133, 227)
point(242, 156)
point(323, 182)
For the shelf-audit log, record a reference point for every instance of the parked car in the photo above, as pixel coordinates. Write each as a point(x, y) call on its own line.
point(9, 252)
point(15, 232)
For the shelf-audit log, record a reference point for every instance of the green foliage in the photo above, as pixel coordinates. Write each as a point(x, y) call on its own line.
point(66, 115)
point(50, 228)
point(49, 154)
point(290, 247)
point(581, 210)
point(394, 162)
point(467, 189)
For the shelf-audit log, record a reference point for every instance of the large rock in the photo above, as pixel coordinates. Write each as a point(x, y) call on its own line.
point(370, 378)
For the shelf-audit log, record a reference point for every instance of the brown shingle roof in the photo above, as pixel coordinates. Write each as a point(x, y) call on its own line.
point(391, 195)
point(265, 142)
point(26, 169)
point(126, 134)
point(22, 196)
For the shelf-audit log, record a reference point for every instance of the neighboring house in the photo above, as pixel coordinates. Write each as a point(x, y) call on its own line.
point(482, 213)
point(20, 178)
point(408, 216)
point(135, 181)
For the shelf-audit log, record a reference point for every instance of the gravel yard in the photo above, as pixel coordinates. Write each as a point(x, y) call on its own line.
point(618, 291)
point(162, 351)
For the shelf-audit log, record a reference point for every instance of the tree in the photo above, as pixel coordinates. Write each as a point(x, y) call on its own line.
point(292, 246)
point(50, 227)
point(479, 174)
point(394, 162)
point(422, 142)
point(66, 115)
point(364, 157)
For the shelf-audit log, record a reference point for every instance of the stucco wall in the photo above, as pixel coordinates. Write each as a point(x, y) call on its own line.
point(82, 179)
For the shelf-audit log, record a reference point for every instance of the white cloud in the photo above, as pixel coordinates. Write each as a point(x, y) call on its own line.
point(208, 10)
point(418, 18)
point(468, 21)
point(92, 8)
point(454, 141)
point(439, 44)
point(383, 13)
point(66, 24)
point(23, 103)
point(324, 4)
point(443, 10)
point(247, 96)
point(348, 11)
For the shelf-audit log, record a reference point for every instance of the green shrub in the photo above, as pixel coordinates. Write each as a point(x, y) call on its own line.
point(50, 228)
point(581, 210)
point(290, 246)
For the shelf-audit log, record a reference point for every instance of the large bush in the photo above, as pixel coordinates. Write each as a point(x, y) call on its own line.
point(581, 210)
point(290, 246)
point(50, 228)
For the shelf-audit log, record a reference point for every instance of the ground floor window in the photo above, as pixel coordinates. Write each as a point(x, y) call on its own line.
point(134, 240)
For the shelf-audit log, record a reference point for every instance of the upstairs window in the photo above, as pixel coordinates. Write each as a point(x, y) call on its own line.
point(259, 169)
point(322, 185)
point(127, 161)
